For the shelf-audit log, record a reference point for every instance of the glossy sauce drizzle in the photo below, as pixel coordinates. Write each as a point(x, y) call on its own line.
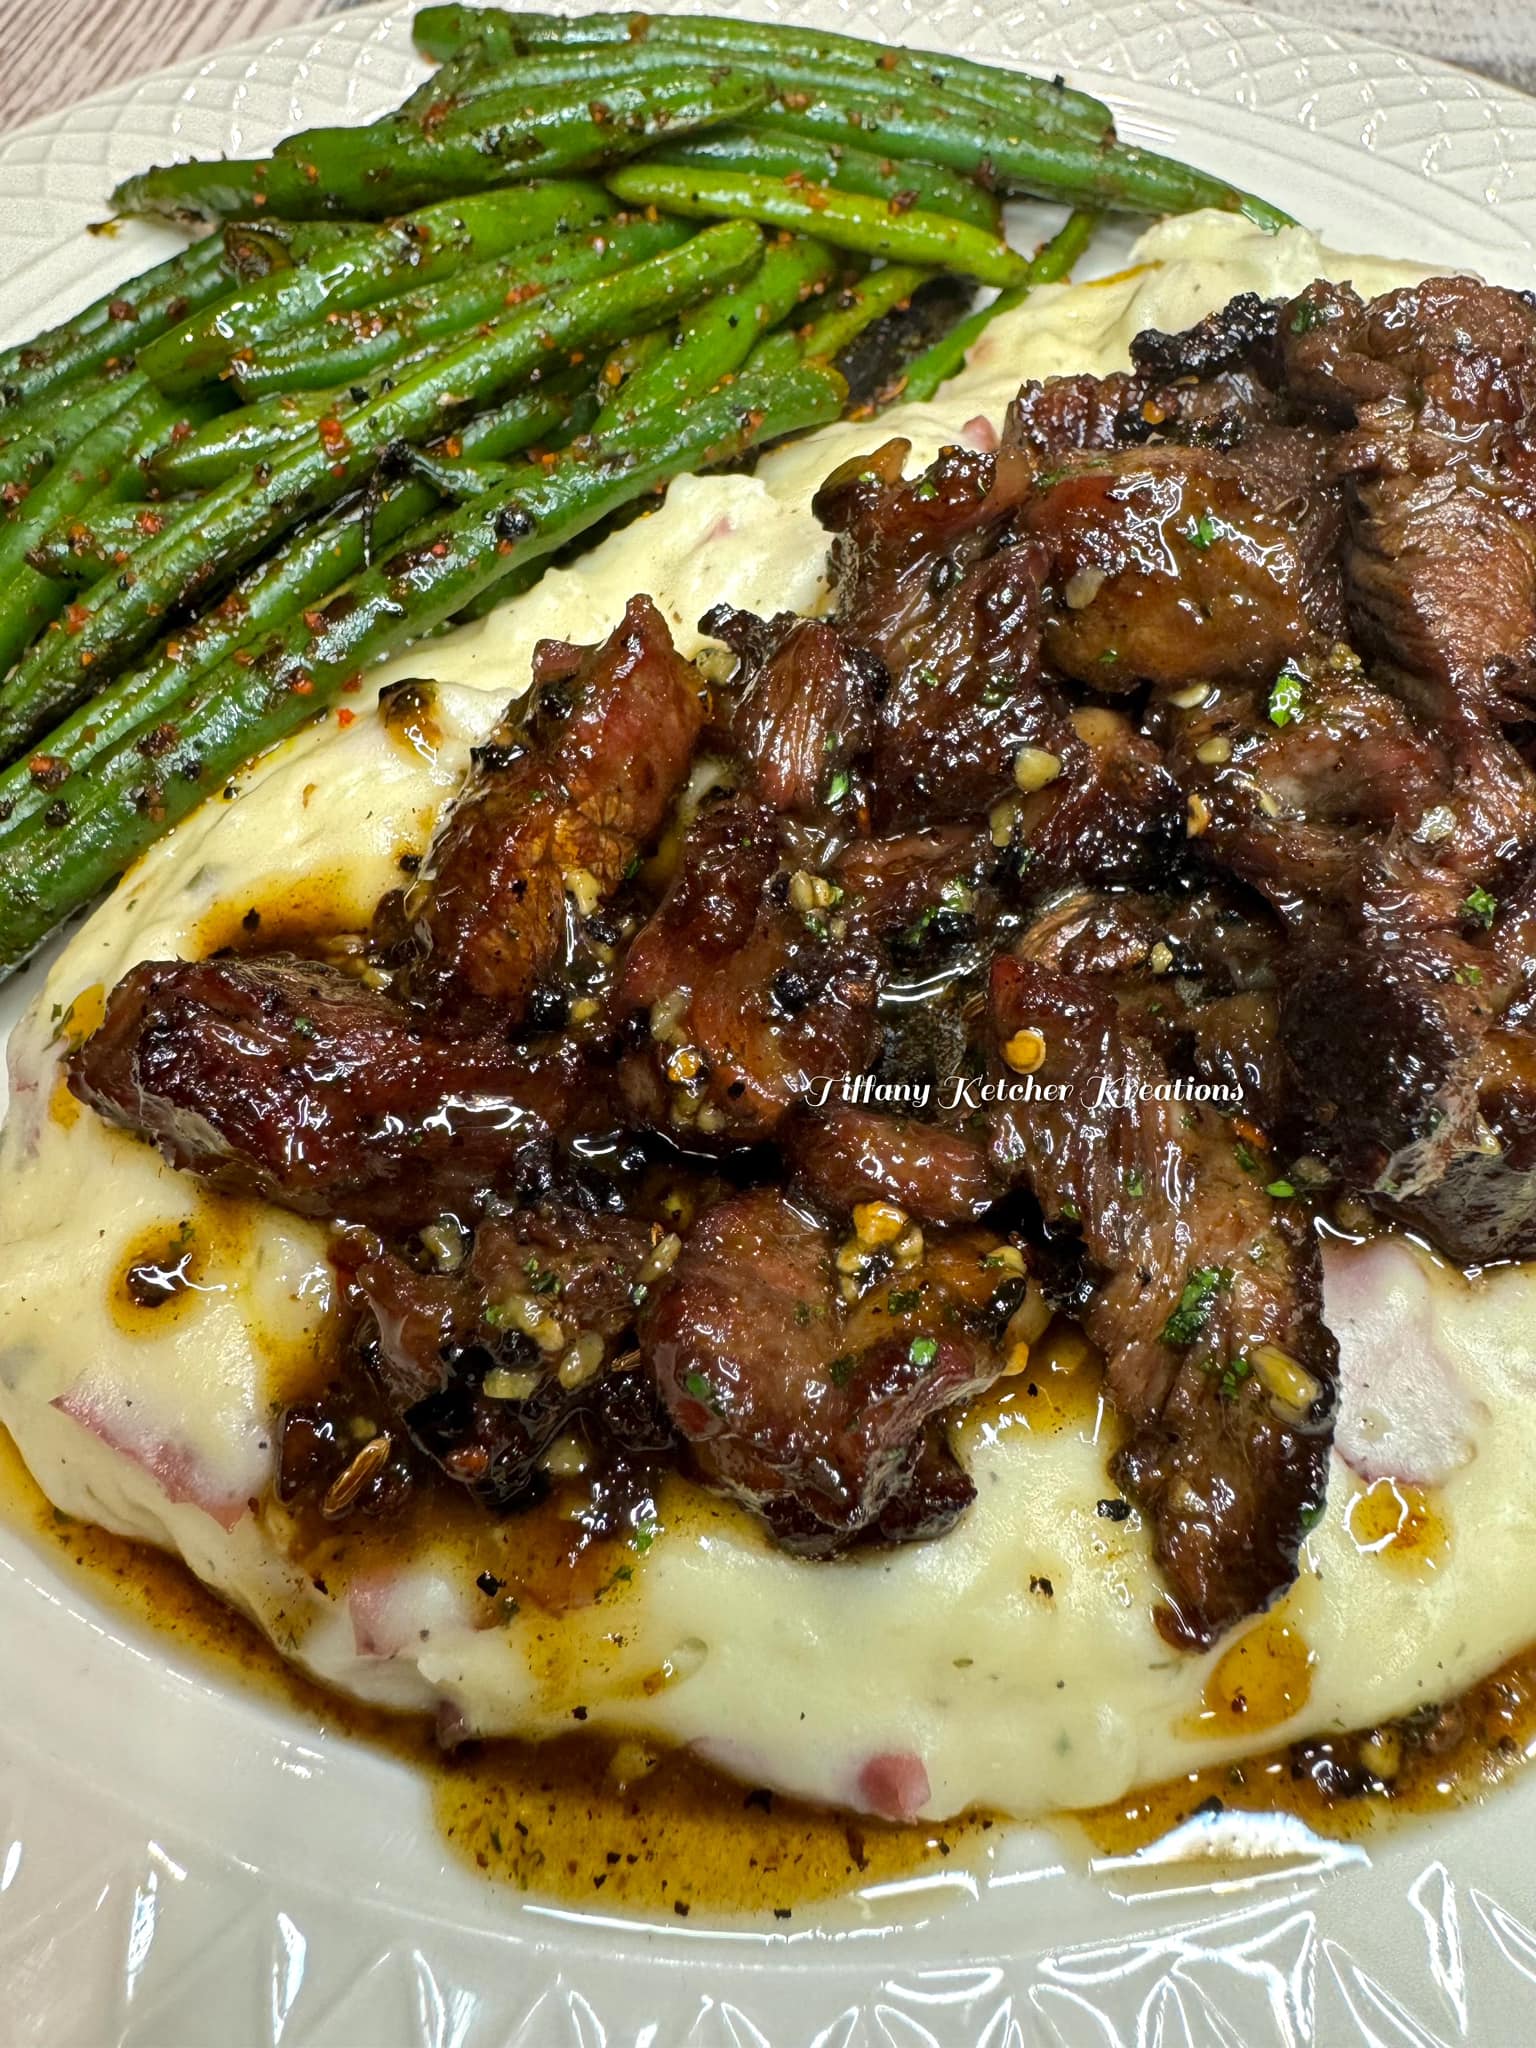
point(582, 1819)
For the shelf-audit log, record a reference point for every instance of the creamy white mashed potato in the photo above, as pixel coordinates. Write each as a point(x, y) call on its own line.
point(1014, 1662)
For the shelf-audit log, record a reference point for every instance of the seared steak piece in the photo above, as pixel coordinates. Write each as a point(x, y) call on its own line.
point(290, 1080)
point(489, 1367)
point(900, 545)
point(1112, 814)
point(557, 806)
point(739, 989)
point(1408, 1083)
point(1203, 1294)
point(842, 1155)
point(952, 723)
point(1167, 568)
point(1438, 383)
point(801, 704)
point(820, 1415)
point(895, 890)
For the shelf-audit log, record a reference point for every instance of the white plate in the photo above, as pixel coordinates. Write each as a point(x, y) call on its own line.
point(183, 1866)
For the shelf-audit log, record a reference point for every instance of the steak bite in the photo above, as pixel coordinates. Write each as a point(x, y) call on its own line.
point(738, 991)
point(490, 1367)
point(1436, 385)
point(820, 1412)
point(843, 1156)
point(1430, 1114)
point(1167, 568)
point(558, 804)
point(290, 1080)
point(801, 704)
point(1201, 1291)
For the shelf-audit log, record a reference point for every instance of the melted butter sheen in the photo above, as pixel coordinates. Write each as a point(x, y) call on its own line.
point(1398, 1522)
point(1259, 1683)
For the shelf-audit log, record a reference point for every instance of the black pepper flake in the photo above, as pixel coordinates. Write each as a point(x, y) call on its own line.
point(251, 921)
point(1043, 1587)
point(489, 1584)
point(1114, 1510)
point(578, 1713)
point(409, 863)
point(781, 1912)
point(761, 1798)
point(680, 1908)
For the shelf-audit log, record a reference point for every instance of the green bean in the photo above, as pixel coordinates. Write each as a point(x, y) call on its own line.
point(881, 292)
point(101, 536)
point(65, 769)
point(235, 442)
point(336, 350)
point(500, 36)
point(500, 138)
point(553, 411)
point(360, 269)
point(114, 327)
point(106, 460)
point(946, 358)
point(844, 219)
point(929, 186)
point(1069, 168)
point(236, 520)
point(715, 337)
point(136, 792)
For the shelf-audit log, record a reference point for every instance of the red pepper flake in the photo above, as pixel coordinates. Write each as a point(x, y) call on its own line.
point(600, 114)
point(122, 309)
point(794, 101)
point(150, 523)
point(76, 617)
point(816, 198)
point(353, 683)
point(888, 60)
point(303, 686)
point(344, 718)
point(243, 657)
point(48, 770)
point(440, 549)
point(901, 202)
point(333, 435)
point(314, 621)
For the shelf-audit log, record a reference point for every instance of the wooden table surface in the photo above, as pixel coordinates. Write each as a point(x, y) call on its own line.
point(58, 51)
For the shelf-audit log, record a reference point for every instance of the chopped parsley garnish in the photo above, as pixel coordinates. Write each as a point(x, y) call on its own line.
point(1238, 1371)
point(840, 1371)
point(1481, 907)
point(1470, 977)
point(1135, 1186)
point(1306, 316)
point(303, 1027)
point(539, 1278)
point(839, 786)
point(1280, 1189)
point(644, 1534)
point(1070, 1210)
point(701, 1390)
point(1193, 1312)
point(902, 1300)
point(1202, 532)
point(925, 490)
point(925, 677)
point(1285, 699)
point(1245, 1157)
point(923, 1351)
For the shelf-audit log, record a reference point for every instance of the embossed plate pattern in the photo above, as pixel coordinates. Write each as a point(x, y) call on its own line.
point(181, 1865)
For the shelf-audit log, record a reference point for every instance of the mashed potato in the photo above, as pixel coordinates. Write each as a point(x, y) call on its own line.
point(1013, 1663)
